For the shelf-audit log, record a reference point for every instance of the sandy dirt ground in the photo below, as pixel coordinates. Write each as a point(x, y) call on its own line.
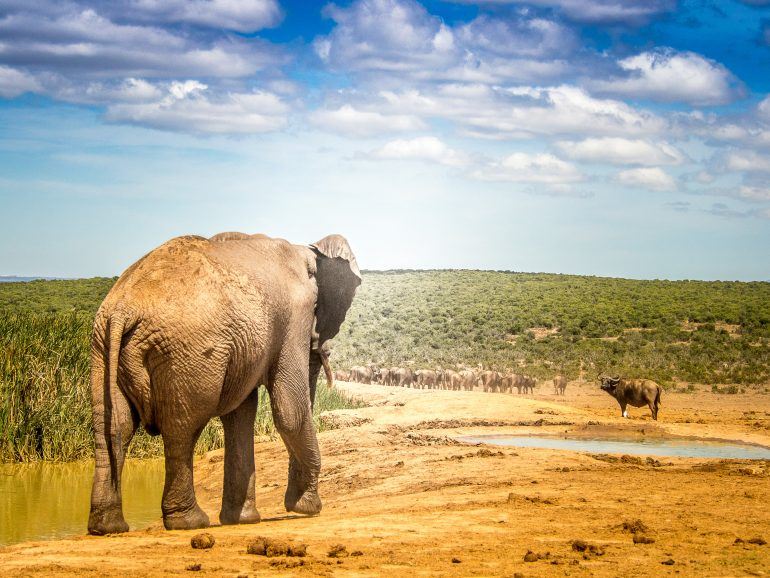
point(402, 494)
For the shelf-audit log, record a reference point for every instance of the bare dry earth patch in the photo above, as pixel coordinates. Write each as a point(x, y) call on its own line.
point(408, 500)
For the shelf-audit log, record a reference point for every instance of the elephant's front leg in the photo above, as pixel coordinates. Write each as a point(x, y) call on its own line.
point(238, 501)
point(293, 417)
point(304, 468)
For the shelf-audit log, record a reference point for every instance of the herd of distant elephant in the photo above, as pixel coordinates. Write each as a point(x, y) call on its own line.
point(463, 380)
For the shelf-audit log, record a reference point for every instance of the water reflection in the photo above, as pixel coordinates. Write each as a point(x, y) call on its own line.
point(642, 446)
point(43, 500)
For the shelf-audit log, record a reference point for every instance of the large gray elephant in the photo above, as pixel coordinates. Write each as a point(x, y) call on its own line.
point(425, 379)
point(190, 332)
point(452, 380)
point(384, 378)
point(361, 374)
point(491, 380)
point(469, 379)
point(402, 377)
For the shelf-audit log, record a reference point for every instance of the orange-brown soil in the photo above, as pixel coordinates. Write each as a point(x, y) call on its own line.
point(405, 499)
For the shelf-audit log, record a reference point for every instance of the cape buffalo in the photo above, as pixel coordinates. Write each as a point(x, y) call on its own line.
point(635, 392)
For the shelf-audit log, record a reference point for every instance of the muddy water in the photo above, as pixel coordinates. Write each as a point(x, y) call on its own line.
point(668, 447)
point(43, 501)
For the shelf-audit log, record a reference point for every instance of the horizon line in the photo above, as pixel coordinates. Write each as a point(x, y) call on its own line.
point(30, 278)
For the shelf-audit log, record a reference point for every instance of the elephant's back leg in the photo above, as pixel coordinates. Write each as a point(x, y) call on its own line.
point(115, 422)
point(185, 392)
point(238, 495)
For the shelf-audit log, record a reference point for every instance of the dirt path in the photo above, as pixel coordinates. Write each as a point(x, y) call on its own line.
point(398, 488)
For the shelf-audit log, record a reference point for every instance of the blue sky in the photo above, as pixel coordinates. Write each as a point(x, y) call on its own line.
point(607, 137)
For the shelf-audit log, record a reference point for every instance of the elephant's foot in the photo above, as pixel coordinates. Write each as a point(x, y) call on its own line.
point(191, 519)
point(247, 515)
point(109, 521)
point(309, 504)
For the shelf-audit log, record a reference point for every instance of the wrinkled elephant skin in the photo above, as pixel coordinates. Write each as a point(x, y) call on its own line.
point(190, 332)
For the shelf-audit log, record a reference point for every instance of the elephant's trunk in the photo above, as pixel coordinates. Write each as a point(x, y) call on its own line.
point(315, 369)
point(327, 369)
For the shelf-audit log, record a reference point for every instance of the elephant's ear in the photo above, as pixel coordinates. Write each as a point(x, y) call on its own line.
point(338, 277)
point(336, 246)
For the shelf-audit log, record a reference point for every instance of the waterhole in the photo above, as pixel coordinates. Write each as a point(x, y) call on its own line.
point(653, 446)
point(42, 501)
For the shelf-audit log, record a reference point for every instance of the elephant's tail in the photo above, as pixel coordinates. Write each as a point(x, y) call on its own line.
point(657, 397)
point(113, 340)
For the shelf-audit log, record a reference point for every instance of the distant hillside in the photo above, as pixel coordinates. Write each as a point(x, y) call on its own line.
point(38, 296)
point(16, 279)
point(706, 332)
point(695, 331)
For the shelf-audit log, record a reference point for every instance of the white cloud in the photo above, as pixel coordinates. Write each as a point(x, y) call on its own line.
point(705, 177)
point(385, 35)
point(725, 211)
point(398, 39)
point(763, 109)
point(562, 110)
point(754, 193)
point(669, 76)
point(621, 151)
point(187, 108)
point(77, 43)
point(103, 92)
point(428, 148)
point(647, 178)
point(530, 168)
point(240, 15)
point(749, 130)
point(748, 161)
point(679, 206)
point(520, 113)
point(519, 37)
point(361, 123)
point(15, 82)
point(633, 12)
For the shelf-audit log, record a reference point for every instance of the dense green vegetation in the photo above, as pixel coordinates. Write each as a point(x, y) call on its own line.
point(72, 295)
point(547, 323)
point(704, 332)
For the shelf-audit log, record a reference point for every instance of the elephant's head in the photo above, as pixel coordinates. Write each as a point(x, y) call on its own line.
point(338, 277)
